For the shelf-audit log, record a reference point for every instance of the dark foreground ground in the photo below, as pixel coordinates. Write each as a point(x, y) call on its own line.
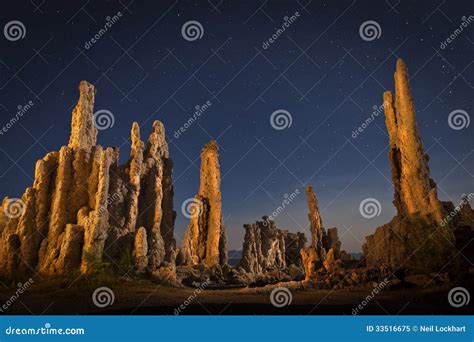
point(58, 297)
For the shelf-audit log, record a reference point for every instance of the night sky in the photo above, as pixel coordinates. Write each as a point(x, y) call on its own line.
point(319, 70)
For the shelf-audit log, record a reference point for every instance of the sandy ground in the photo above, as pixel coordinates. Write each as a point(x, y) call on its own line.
point(145, 297)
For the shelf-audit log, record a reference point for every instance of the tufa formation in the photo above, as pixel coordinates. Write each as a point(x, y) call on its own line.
point(204, 241)
point(270, 252)
point(325, 248)
point(419, 238)
point(84, 211)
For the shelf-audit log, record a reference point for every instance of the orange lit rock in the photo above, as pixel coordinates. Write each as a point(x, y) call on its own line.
point(204, 241)
point(415, 192)
point(84, 209)
point(415, 239)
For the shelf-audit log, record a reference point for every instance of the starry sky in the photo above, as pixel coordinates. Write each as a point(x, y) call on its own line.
point(320, 71)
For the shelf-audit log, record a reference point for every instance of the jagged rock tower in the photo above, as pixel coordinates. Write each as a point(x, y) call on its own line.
point(205, 241)
point(415, 238)
point(325, 247)
point(316, 223)
point(84, 209)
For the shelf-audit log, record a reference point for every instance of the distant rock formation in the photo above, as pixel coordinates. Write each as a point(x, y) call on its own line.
point(84, 209)
point(267, 248)
point(416, 238)
point(316, 223)
point(325, 248)
point(205, 240)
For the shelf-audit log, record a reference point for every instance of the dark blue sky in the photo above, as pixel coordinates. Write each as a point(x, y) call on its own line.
point(320, 70)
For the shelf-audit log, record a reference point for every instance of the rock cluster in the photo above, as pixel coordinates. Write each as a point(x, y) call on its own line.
point(84, 211)
point(204, 241)
point(416, 238)
point(269, 250)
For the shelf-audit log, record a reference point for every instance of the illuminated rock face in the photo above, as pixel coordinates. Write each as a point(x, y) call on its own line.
point(205, 241)
point(83, 132)
point(415, 192)
point(84, 209)
point(415, 238)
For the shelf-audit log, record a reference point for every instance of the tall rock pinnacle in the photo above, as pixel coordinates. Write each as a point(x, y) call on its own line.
point(414, 190)
point(316, 223)
point(205, 240)
point(83, 131)
point(323, 244)
point(415, 239)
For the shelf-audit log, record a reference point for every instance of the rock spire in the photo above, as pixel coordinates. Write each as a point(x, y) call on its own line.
point(205, 238)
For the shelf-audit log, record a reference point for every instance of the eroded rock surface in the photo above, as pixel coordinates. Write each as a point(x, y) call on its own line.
point(84, 210)
point(270, 252)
